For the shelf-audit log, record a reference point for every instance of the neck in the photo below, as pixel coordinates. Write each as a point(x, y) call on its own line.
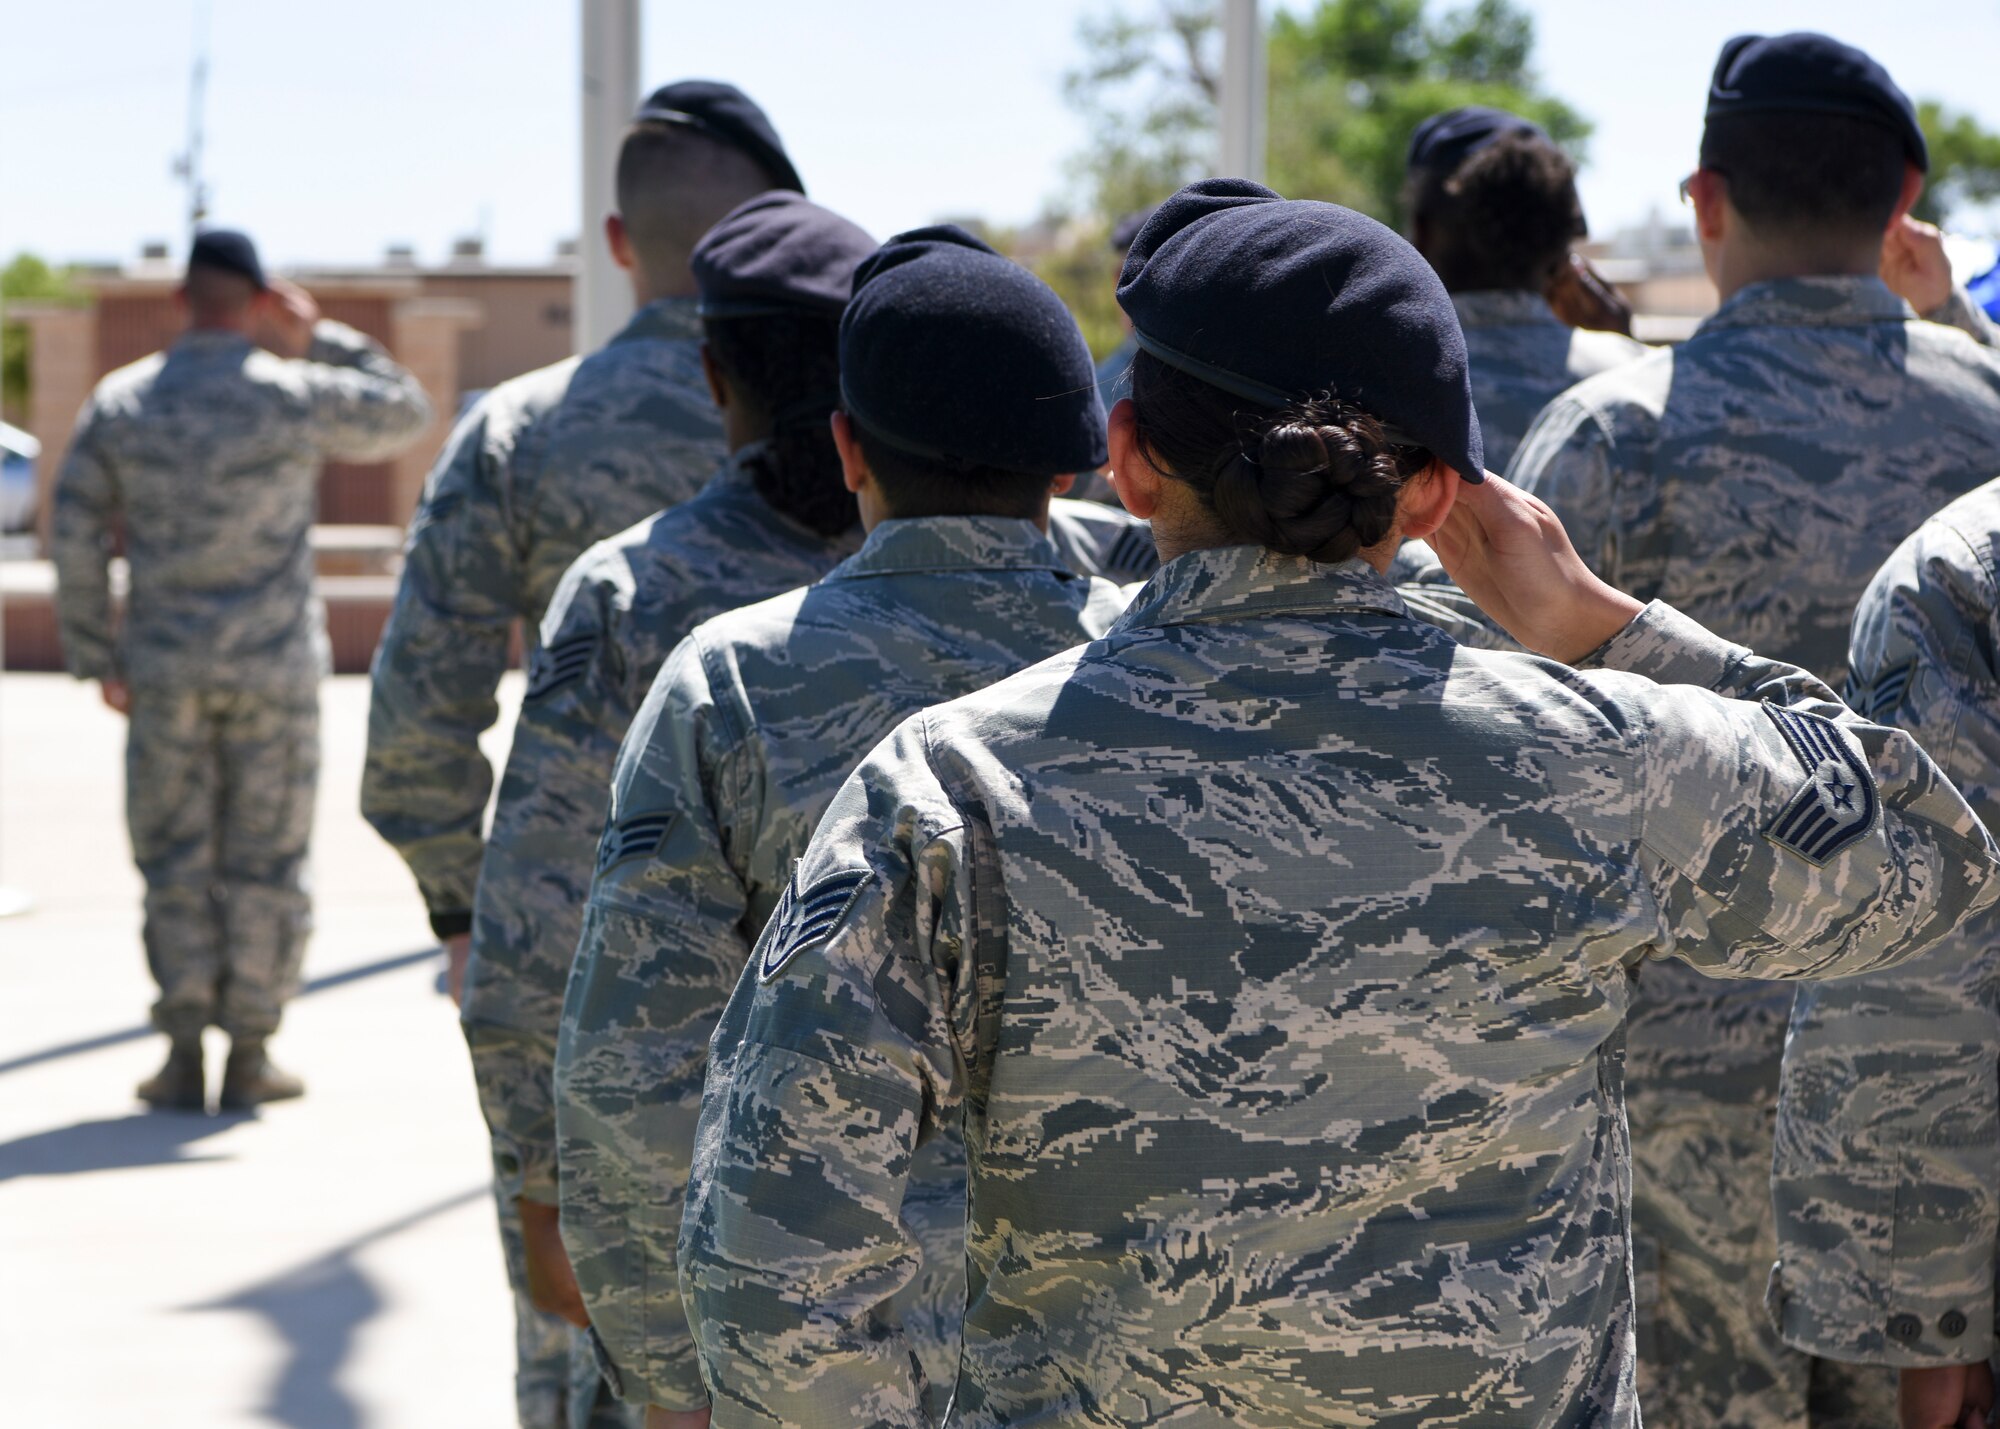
point(240, 325)
point(1734, 267)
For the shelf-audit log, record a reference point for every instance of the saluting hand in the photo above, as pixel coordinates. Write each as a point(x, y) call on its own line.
point(1507, 550)
point(1914, 264)
point(288, 318)
point(1582, 298)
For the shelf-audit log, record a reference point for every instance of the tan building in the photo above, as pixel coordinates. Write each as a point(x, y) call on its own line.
point(460, 327)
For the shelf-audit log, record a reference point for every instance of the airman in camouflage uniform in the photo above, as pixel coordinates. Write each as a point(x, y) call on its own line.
point(1754, 478)
point(1273, 951)
point(746, 735)
point(542, 467)
point(760, 714)
point(1887, 1176)
point(1493, 207)
point(207, 456)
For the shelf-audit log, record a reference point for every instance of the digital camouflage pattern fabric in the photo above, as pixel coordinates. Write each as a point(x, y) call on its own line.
point(1274, 953)
point(1887, 1175)
point(752, 725)
point(1753, 477)
point(625, 603)
point(541, 467)
point(1521, 357)
point(207, 457)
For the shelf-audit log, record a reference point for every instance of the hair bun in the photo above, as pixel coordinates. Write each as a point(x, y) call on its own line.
point(1320, 481)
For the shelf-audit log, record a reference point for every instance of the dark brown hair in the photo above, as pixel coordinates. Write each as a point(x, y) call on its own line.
point(788, 369)
point(914, 486)
point(1505, 218)
point(1317, 478)
point(1807, 177)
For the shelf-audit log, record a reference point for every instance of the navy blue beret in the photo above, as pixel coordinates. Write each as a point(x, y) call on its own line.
point(229, 250)
point(1279, 300)
point(727, 113)
point(950, 351)
point(1814, 74)
point(1444, 141)
point(778, 253)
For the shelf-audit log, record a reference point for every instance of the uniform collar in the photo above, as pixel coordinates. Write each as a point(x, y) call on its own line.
point(734, 473)
point(1811, 302)
point(1504, 307)
point(951, 543)
point(211, 339)
point(1229, 582)
point(662, 320)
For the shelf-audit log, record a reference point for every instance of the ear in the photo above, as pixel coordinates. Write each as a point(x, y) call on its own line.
point(1133, 476)
point(1709, 192)
point(1426, 500)
point(854, 470)
point(717, 387)
point(619, 240)
point(1061, 485)
point(1913, 185)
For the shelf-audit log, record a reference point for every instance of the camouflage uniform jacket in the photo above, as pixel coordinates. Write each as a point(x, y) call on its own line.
point(751, 727)
point(543, 466)
point(622, 607)
point(1522, 356)
point(1887, 1177)
point(1754, 478)
point(210, 453)
point(1273, 952)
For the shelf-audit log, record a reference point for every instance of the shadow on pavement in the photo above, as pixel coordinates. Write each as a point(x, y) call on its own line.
point(317, 1309)
point(116, 1143)
point(134, 1034)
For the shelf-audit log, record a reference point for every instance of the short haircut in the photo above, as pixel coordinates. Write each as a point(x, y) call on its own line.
point(674, 184)
point(218, 292)
point(1504, 218)
point(1807, 177)
point(914, 486)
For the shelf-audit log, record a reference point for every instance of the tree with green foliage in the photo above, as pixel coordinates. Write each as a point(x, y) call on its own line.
point(26, 278)
point(1350, 81)
point(1965, 162)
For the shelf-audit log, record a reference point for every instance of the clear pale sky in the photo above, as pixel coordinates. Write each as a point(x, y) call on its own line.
point(335, 130)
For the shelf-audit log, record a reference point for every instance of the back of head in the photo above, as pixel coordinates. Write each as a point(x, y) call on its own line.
point(968, 382)
point(774, 277)
point(1811, 137)
point(696, 149)
point(224, 277)
point(1298, 363)
point(1492, 199)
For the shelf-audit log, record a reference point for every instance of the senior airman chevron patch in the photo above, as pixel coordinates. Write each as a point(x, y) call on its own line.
point(556, 665)
point(1837, 805)
point(805, 917)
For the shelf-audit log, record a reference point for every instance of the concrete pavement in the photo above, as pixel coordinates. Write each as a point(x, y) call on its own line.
point(329, 1264)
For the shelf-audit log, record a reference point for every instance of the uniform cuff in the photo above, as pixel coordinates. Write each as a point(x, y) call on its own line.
point(1913, 1329)
point(451, 922)
point(1668, 648)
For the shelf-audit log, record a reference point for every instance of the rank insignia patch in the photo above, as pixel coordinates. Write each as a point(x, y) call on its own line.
point(1837, 805)
point(807, 916)
point(640, 836)
point(556, 665)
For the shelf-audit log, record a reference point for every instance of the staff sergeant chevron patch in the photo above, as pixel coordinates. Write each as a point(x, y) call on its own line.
point(640, 836)
point(805, 917)
point(1837, 805)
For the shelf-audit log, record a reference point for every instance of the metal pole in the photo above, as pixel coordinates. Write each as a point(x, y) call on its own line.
point(1243, 86)
point(609, 90)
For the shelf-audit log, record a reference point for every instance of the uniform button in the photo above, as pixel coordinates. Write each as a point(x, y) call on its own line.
point(1951, 1324)
point(1905, 1328)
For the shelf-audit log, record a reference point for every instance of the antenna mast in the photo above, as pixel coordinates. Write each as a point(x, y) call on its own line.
point(187, 165)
